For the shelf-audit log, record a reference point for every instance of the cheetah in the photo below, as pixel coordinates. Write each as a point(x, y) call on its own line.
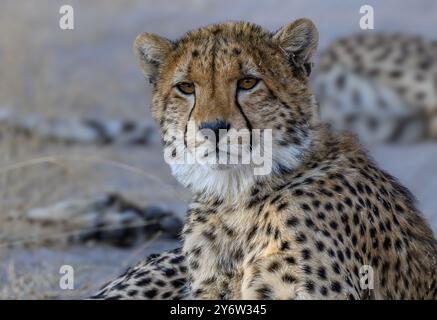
point(381, 86)
point(164, 273)
point(305, 230)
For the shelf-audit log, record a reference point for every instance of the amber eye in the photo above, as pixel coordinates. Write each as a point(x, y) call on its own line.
point(186, 87)
point(247, 83)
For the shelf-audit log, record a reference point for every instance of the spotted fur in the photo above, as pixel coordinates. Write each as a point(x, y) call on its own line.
point(307, 229)
point(160, 276)
point(383, 87)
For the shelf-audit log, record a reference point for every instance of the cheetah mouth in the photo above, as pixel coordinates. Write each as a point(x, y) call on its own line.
point(238, 152)
point(223, 159)
point(223, 152)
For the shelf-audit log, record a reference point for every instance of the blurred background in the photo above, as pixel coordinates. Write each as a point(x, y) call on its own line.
point(82, 179)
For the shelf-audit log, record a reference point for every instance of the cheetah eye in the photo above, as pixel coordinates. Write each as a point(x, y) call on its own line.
point(247, 83)
point(185, 87)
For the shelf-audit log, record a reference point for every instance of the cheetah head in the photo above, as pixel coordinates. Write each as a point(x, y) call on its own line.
point(231, 78)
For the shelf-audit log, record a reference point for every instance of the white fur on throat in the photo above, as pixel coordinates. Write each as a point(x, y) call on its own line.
point(233, 182)
point(205, 179)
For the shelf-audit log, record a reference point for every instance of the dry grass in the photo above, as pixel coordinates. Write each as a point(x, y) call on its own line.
point(36, 174)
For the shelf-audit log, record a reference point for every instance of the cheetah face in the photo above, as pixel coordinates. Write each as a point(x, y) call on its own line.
point(223, 88)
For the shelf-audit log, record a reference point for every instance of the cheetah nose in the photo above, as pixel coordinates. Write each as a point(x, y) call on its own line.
point(215, 126)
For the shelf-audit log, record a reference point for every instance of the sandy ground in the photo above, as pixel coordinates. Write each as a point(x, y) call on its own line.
point(35, 273)
point(91, 72)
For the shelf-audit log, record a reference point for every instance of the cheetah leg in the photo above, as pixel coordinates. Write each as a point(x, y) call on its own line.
point(160, 276)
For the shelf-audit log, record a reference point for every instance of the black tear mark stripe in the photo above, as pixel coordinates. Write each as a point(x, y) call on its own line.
point(188, 120)
point(192, 108)
point(213, 68)
point(248, 124)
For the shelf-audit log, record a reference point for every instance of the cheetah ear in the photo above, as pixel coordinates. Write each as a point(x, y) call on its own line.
point(299, 40)
point(151, 51)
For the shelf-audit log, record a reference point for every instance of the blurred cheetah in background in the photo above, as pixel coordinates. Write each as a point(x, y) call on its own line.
point(382, 87)
point(303, 231)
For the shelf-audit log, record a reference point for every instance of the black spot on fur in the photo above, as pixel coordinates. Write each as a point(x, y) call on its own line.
point(150, 293)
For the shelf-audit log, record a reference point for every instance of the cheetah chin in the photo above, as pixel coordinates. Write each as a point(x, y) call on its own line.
point(215, 179)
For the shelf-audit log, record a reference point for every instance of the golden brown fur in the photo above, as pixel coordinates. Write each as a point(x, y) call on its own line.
point(305, 230)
